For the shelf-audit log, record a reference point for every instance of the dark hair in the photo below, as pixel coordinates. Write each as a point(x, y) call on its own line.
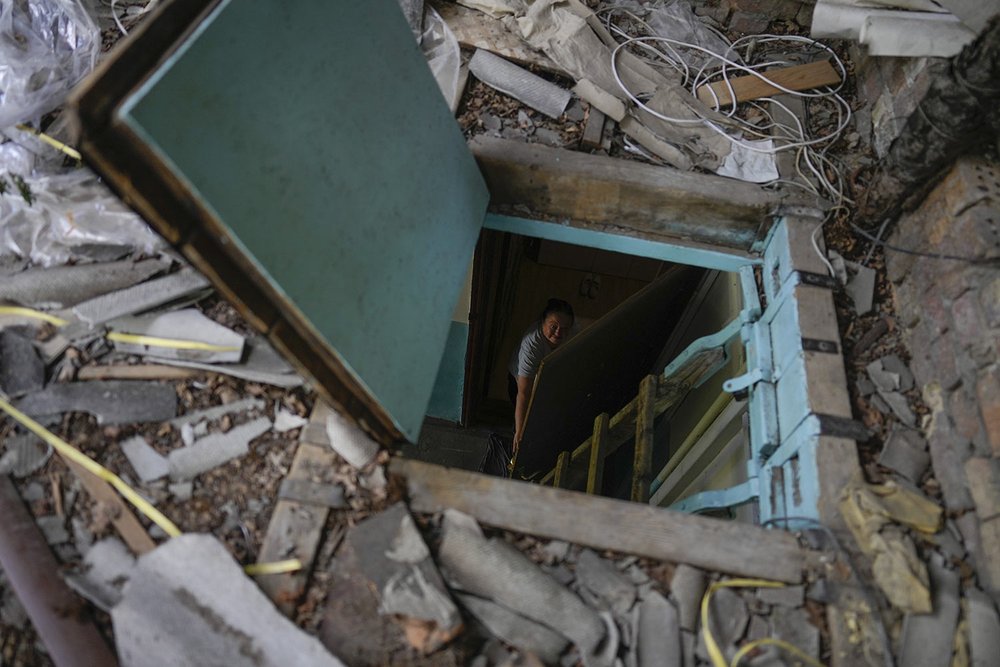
point(558, 306)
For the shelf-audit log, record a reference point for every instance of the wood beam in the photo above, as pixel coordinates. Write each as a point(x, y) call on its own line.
point(658, 202)
point(644, 418)
point(604, 523)
point(598, 452)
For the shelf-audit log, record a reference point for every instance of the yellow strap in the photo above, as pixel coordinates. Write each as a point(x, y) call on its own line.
point(75, 455)
point(714, 652)
point(785, 646)
point(51, 141)
point(174, 343)
point(277, 567)
point(32, 313)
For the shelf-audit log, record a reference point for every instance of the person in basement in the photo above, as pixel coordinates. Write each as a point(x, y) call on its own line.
point(544, 336)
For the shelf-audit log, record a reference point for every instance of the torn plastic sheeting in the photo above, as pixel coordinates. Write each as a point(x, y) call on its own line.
point(677, 20)
point(443, 55)
point(495, 8)
point(69, 210)
point(751, 161)
point(46, 47)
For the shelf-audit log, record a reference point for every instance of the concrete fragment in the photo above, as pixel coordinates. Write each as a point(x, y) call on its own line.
point(785, 596)
point(395, 558)
point(174, 615)
point(687, 588)
point(112, 401)
point(349, 441)
point(107, 567)
point(211, 414)
point(984, 629)
point(188, 325)
point(182, 491)
point(861, 288)
point(139, 298)
point(65, 286)
point(148, 463)
point(262, 364)
point(519, 83)
point(214, 450)
point(865, 387)
point(495, 570)
point(928, 639)
point(604, 580)
point(983, 475)
point(900, 407)
point(905, 451)
point(24, 455)
point(556, 550)
point(883, 379)
point(793, 626)
point(54, 529)
point(659, 633)
point(515, 629)
point(893, 364)
point(285, 420)
point(21, 369)
point(728, 616)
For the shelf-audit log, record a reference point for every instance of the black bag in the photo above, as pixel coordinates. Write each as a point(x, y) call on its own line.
point(496, 459)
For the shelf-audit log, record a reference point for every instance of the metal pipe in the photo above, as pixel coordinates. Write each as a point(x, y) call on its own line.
point(70, 637)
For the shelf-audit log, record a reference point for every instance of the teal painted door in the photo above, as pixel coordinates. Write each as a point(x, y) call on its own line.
point(317, 137)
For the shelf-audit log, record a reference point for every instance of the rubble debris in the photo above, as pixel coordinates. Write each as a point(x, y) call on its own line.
point(174, 614)
point(515, 629)
point(21, 369)
point(728, 617)
point(687, 587)
point(905, 451)
point(928, 638)
point(794, 627)
point(262, 364)
point(211, 414)
point(659, 641)
point(601, 578)
point(394, 557)
point(284, 421)
point(861, 288)
point(519, 83)
point(111, 402)
point(750, 87)
point(349, 441)
point(24, 455)
point(313, 493)
point(148, 463)
point(217, 344)
point(54, 529)
point(182, 491)
point(141, 297)
point(984, 628)
point(900, 407)
point(600, 99)
point(893, 364)
point(106, 569)
point(494, 570)
point(215, 449)
point(785, 596)
point(55, 287)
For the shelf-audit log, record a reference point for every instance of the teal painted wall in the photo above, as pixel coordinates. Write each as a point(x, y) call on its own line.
point(446, 398)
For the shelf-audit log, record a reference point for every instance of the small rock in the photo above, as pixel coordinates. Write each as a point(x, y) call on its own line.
point(491, 122)
point(286, 421)
point(548, 137)
point(687, 588)
point(182, 491)
point(54, 529)
point(786, 596)
point(556, 550)
point(905, 451)
point(883, 379)
point(893, 364)
point(900, 407)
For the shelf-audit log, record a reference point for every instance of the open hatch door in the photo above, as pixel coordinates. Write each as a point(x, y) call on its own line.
point(301, 155)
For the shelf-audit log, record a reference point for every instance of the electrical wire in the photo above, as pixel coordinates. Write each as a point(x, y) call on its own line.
point(981, 261)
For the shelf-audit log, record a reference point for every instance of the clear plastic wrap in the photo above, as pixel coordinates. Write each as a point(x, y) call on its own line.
point(46, 47)
point(67, 210)
point(440, 47)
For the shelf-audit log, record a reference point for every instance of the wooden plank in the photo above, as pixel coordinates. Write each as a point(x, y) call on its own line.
point(125, 522)
point(655, 202)
point(593, 131)
point(295, 528)
point(598, 452)
point(476, 30)
point(562, 465)
point(645, 416)
point(598, 370)
point(605, 523)
point(139, 372)
point(750, 87)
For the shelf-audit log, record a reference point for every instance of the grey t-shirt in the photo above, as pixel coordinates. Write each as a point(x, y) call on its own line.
point(528, 356)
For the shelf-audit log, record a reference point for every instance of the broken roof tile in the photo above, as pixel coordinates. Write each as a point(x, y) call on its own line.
point(215, 449)
point(112, 402)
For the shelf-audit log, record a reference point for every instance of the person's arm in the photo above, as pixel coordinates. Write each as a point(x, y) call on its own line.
point(521, 408)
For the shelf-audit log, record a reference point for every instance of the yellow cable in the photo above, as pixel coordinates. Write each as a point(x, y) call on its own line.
point(75, 455)
point(714, 652)
point(277, 567)
point(780, 643)
point(174, 343)
point(51, 141)
point(35, 314)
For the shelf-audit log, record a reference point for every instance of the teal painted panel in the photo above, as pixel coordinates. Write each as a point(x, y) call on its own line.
point(317, 135)
point(449, 387)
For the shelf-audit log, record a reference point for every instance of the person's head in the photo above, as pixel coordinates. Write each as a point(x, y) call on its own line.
point(557, 318)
